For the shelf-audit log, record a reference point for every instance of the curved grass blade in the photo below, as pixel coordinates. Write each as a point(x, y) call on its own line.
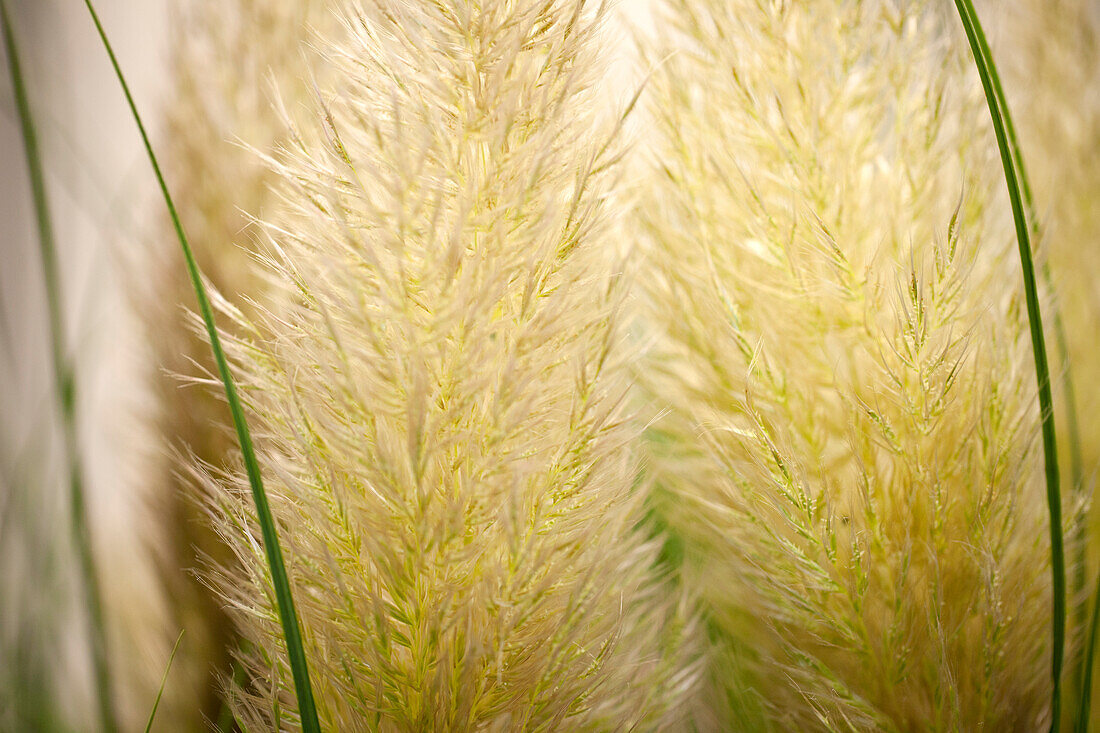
point(1078, 538)
point(1083, 708)
point(1068, 390)
point(163, 680)
point(65, 384)
point(284, 600)
point(1010, 160)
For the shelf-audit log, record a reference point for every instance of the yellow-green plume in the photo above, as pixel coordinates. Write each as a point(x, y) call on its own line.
point(436, 390)
point(850, 462)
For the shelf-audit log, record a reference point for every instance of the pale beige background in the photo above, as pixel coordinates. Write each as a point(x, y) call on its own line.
point(100, 189)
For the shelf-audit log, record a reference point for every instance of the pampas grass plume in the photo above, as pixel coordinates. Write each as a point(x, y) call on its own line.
point(437, 388)
point(850, 462)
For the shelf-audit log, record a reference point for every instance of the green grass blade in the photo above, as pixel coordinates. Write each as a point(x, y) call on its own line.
point(284, 600)
point(1069, 393)
point(163, 681)
point(998, 110)
point(1084, 704)
point(65, 384)
point(1082, 669)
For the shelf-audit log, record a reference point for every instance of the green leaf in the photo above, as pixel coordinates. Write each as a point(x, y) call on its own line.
point(307, 709)
point(1012, 163)
point(163, 680)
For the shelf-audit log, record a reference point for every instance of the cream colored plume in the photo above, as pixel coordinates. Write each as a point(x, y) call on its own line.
point(850, 463)
point(436, 389)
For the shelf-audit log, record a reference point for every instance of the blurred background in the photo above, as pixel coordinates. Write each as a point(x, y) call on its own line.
point(99, 187)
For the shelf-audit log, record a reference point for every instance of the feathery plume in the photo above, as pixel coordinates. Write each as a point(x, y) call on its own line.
point(437, 389)
point(850, 462)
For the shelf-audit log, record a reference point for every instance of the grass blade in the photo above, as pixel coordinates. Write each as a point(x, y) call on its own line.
point(65, 384)
point(284, 600)
point(1069, 393)
point(163, 680)
point(1012, 163)
point(1083, 709)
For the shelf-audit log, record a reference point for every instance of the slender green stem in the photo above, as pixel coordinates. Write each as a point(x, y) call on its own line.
point(1085, 648)
point(1069, 393)
point(1061, 343)
point(284, 600)
point(65, 384)
point(999, 113)
point(163, 681)
point(1083, 709)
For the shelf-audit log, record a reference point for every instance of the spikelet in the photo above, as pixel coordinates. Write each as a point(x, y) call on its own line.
point(436, 391)
point(225, 58)
point(850, 463)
